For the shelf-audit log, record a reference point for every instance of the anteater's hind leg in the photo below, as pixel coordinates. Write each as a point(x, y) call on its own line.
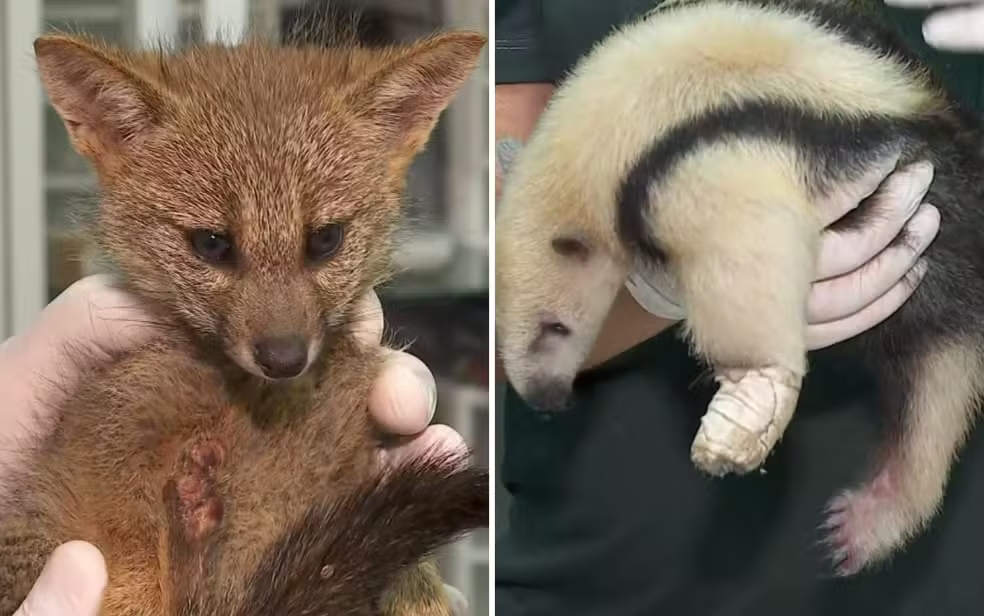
point(419, 591)
point(23, 553)
point(941, 392)
point(741, 237)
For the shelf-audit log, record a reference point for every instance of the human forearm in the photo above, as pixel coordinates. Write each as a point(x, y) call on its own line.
point(517, 108)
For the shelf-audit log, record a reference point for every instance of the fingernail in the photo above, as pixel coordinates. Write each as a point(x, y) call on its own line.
point(922, 174)
point(925, 225)
point(408, 406)
point(931, 31)
point(887, 166)
point(940, 30)
point(929, 210)
point(426, 378)
point(919, 269)
point(912, 186)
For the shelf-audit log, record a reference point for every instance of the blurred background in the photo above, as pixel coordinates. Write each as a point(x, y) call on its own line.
point(440, 300)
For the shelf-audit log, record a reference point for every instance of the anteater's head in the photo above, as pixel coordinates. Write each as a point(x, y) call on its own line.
point(558, 270)
point(250, 192)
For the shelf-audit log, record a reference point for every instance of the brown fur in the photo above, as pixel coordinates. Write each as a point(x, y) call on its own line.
point(183, 467)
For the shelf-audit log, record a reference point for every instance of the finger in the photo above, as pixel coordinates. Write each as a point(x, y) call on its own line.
point(894, 204)
point(436, 439)
point(369, 323)
point(828, 334)
point(911, 4)
point(847, 195)
point(839, 297)
point(404, 397)
point(90, 321)
point(91, 314)
point(959, 29)
point(72, 583)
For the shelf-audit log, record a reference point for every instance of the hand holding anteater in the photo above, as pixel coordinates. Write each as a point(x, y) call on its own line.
point(868, 265)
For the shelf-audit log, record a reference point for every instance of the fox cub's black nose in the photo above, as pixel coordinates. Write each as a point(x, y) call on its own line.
point(281, 358)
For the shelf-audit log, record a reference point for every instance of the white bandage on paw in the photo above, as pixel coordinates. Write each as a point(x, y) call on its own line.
point(656, 291)
point(745, 419)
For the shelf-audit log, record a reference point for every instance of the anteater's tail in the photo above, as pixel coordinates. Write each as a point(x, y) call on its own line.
point(343, 554)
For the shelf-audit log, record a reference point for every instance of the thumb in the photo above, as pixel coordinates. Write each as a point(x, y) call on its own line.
point(71, 584)
point(368, 323)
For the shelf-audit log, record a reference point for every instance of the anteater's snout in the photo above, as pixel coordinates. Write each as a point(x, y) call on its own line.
point(281, 358)
point(549, 395)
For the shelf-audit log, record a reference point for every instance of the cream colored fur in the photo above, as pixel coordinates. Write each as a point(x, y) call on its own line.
point(736, 221)
point(623, 97)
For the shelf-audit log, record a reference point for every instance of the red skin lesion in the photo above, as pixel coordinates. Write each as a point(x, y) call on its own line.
point(200, 508)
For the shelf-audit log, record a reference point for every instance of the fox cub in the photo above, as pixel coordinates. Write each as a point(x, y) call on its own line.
point(248, 199)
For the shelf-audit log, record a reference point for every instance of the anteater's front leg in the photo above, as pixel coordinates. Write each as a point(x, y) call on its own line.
point(741, 236)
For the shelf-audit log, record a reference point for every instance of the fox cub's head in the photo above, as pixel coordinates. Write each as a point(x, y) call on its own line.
point(251, 191)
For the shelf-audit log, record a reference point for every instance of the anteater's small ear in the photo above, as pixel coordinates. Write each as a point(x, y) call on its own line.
point(105, 105)
point(410, 94)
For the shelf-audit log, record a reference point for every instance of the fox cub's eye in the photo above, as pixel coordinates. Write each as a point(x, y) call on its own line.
point(212, 247)
point(325, 242)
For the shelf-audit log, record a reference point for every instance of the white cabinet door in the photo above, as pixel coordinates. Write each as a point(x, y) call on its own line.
point(22, 228)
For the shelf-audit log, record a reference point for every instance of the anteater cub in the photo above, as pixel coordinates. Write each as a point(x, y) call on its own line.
point(248, 198)
point(698, 140)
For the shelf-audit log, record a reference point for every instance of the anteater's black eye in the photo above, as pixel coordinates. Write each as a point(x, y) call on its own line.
point(212, 247)
point(571, 247)
point(324, 242)
point(557, 329)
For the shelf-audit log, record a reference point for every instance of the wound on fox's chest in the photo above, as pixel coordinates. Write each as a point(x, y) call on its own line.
point(194, 498)
point(194, 509)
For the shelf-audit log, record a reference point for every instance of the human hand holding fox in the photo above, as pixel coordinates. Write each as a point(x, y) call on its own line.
point(93, 315)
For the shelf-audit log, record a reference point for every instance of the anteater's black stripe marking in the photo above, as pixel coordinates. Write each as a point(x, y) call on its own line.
point(833, 144)
point(837, 149)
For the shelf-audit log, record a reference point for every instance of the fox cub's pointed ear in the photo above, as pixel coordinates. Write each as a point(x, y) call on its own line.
point(410, 94)
point(105, 105)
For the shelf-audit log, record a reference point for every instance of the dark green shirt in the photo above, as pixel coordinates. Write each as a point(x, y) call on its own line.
point(608, 515)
